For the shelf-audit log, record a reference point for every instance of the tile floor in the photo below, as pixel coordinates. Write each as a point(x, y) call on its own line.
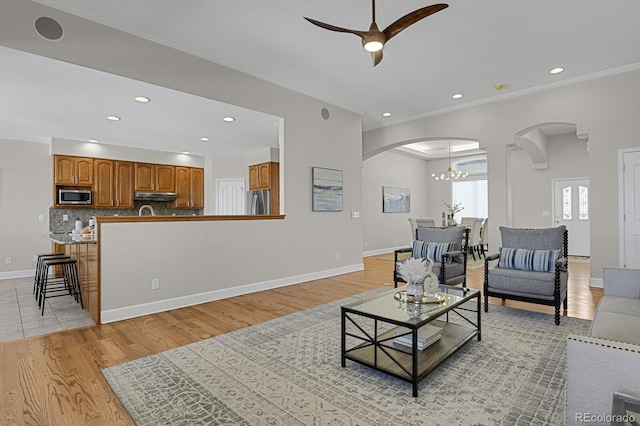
point(20, 316)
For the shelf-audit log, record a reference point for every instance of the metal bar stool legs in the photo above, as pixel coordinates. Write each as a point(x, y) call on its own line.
point(69, 284)
point(40, 270)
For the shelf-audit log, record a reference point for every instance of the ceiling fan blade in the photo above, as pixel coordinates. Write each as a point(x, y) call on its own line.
point(334, 28)
point(377, 57)
point(412, 18)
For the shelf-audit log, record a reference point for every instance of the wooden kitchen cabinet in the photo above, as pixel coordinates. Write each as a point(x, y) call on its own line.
point(154, 177)
point(262, 176)
point(68, 170)
point(103, 186)
point(267, 176)
point(189, 188)
point(123, 185)
point(113, 184)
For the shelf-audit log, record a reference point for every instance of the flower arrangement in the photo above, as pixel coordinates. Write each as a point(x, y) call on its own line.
point(453, 209)
point(413, 270)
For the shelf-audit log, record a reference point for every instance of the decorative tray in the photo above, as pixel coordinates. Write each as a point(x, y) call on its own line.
point(402, 296)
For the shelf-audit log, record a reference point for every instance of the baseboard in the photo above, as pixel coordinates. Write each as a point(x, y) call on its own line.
point(120, 314)
point(596, 282)
point(9, 275)
point(382, 251)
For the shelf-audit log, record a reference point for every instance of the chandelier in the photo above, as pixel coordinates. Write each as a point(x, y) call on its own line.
point(449, 173)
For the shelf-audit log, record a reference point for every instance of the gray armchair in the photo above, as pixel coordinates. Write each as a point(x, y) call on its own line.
point(449, 243)
point(532, 267)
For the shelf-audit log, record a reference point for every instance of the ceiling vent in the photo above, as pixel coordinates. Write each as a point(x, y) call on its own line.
point(49, 28)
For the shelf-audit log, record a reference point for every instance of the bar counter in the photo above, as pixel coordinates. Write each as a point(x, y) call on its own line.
point(84, 248)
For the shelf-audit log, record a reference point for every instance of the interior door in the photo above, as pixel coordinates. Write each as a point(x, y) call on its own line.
point(571, 208)
point(231, 196)
point(631, 220)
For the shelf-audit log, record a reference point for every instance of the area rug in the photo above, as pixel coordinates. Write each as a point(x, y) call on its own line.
point(287, 372)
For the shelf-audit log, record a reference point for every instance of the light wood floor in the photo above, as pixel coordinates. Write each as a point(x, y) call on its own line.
point(56, 380)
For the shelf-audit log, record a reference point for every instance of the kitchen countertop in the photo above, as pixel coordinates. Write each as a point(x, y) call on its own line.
point(68, 239)
point(183, 218)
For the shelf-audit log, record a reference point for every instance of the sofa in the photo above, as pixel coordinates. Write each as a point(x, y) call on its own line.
point(608, 359)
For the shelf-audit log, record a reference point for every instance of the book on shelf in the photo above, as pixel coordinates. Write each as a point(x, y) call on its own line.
point(427, 335)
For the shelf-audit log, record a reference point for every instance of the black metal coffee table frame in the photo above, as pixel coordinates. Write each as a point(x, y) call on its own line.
point(378, 350)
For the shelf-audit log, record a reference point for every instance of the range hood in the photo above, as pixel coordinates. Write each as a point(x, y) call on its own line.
point(154, 196)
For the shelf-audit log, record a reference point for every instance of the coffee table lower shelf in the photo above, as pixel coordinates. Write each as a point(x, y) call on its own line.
point(397, 360)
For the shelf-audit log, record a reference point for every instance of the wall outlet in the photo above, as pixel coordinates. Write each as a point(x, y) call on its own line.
point(35, 258)
point(355, 215)
point(65, 217)
point(155, 283)
point(40, 218)
point(337, 256)
point(7, 260)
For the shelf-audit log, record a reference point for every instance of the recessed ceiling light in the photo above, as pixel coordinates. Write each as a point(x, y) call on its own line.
point(228, 119)
point(186, 152)
point(556, 70)
point(142, 99)
point(457, 96)
point(499, 86)
point(94, 141)
point(386, 114)
point(205, 139)
point(113, 118)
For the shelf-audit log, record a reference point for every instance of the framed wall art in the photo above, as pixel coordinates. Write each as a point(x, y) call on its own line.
point(396, 200)
point(326, 190)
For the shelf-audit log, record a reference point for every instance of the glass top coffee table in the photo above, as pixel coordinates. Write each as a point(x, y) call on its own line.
point(400, 338)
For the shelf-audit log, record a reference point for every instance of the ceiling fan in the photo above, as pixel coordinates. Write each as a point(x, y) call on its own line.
point(373, 40)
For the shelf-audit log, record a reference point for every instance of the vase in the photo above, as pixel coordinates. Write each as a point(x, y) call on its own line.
point(415, 291)
point(413, 310)
point(431, 282)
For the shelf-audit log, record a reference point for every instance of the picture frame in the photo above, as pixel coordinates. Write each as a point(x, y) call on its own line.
point(326, 190)
point(396, 200)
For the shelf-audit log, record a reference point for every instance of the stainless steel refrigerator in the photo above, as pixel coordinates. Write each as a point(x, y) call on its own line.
point(258, 202)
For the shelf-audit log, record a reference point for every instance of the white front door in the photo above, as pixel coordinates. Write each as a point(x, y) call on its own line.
point(231, 197)
point(571, 208)
point(631, 209)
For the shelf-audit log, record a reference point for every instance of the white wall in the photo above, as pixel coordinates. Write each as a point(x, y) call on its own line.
point(117, 152)
point(532, 190)
point(305, 242)
point(385, 231)
point(605, 109)
point(25, 193)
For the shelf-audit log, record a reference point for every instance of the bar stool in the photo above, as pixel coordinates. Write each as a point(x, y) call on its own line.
point(38, 277)
point(69, 284)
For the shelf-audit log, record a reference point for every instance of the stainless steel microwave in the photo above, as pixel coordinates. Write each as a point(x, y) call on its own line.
point(75, 197)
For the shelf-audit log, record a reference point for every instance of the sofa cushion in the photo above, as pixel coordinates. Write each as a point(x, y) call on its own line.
point(433, 251)
point(528, 260)
point(530, 283)
point(451, 270)
point(533, 239)
point(617, 318)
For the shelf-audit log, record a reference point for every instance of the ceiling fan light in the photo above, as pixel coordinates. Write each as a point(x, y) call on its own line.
point(373, 46)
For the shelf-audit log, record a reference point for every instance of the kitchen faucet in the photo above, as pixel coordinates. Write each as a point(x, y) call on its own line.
point(153, 213)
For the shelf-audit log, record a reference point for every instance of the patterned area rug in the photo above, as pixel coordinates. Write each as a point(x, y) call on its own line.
point(287, 372)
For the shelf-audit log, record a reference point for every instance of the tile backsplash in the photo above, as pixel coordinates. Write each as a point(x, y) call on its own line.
point(58, 225)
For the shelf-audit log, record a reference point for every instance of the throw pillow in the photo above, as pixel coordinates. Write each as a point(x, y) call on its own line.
point(425, 250)
point(528, 260)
